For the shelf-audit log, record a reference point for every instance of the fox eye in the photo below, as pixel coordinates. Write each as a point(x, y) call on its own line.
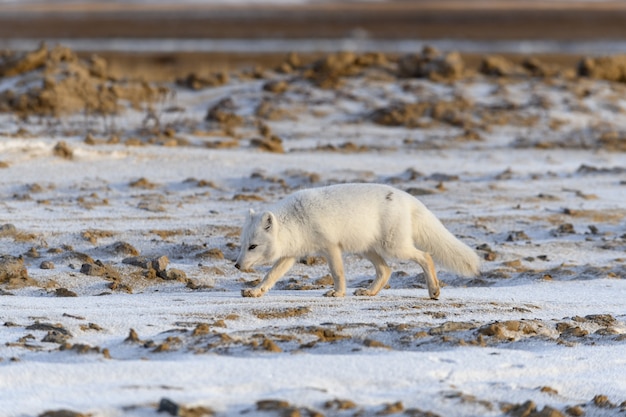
point(252, 247)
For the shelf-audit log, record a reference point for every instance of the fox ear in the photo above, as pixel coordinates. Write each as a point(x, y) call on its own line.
point(268, 221)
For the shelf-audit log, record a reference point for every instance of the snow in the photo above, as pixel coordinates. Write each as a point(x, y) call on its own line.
point(369, 377)
point(549, 283)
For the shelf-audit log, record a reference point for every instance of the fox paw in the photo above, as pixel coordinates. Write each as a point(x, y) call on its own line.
point(434, 295)
point(364, 292)
point(334, 293)
point(251, 292)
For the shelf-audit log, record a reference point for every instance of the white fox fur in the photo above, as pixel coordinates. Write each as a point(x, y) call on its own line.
point(374, 220)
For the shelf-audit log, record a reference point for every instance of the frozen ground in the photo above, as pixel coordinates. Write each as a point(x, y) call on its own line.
point(529, 171)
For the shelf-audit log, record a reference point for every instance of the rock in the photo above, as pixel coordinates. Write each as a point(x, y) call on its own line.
point(99, 269)
point(55, 336)
point(140, 261)
point(46, 265)
point(565, 228)
point(173, 274)
point(64, 292)
point(160, 264)
point(517, 235)
point(7, 230)
point(168, 406)
point(92, 269)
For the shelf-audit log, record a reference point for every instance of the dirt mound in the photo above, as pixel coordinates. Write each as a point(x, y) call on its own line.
point(327, 72)
point(455, 113)
point(431, 63)
point(55, 82)
point(13, 273)
point(610, 68)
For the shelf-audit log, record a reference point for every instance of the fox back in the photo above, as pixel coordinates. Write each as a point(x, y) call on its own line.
point(357, 217)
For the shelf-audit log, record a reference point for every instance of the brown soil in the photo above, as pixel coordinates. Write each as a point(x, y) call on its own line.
point(426, 19)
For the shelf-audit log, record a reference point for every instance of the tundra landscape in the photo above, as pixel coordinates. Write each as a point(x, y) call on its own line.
point(122, 200)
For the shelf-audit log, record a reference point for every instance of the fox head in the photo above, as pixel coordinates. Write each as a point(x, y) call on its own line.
point(258, 240)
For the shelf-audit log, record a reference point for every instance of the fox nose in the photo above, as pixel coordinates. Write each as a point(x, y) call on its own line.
point(237, 266)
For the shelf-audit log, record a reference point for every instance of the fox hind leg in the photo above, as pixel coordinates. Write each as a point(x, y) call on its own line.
point(383, 272)
point(426, 262)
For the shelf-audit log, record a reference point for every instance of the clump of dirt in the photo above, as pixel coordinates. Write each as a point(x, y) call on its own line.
point(339, 404)
point(62, 150)
point(496, 65)
point(156, 267)
point(412, 115)
point(281, 314)
point(610, 68)
point(327, 72)
point(529, 409)
point(64, 292)
point(223, 112)
point(589, 138)
point(431, 64)
point(93, 235)
point(213, 253)
point(271, 144)
point(63, 413)
point(60, 84)
point(122, 248)
point(13, 273)
point(99, 269)
point(143, 183)
point(196, 82)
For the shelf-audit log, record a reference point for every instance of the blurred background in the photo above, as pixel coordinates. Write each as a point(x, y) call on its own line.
point(161, 39)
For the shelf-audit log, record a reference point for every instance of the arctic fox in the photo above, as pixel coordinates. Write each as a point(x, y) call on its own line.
point(374, 220)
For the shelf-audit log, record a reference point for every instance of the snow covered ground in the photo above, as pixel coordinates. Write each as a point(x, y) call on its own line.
point(529, 171)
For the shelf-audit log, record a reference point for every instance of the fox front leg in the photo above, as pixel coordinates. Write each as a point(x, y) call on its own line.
point(274, 274)
point(335, 262)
